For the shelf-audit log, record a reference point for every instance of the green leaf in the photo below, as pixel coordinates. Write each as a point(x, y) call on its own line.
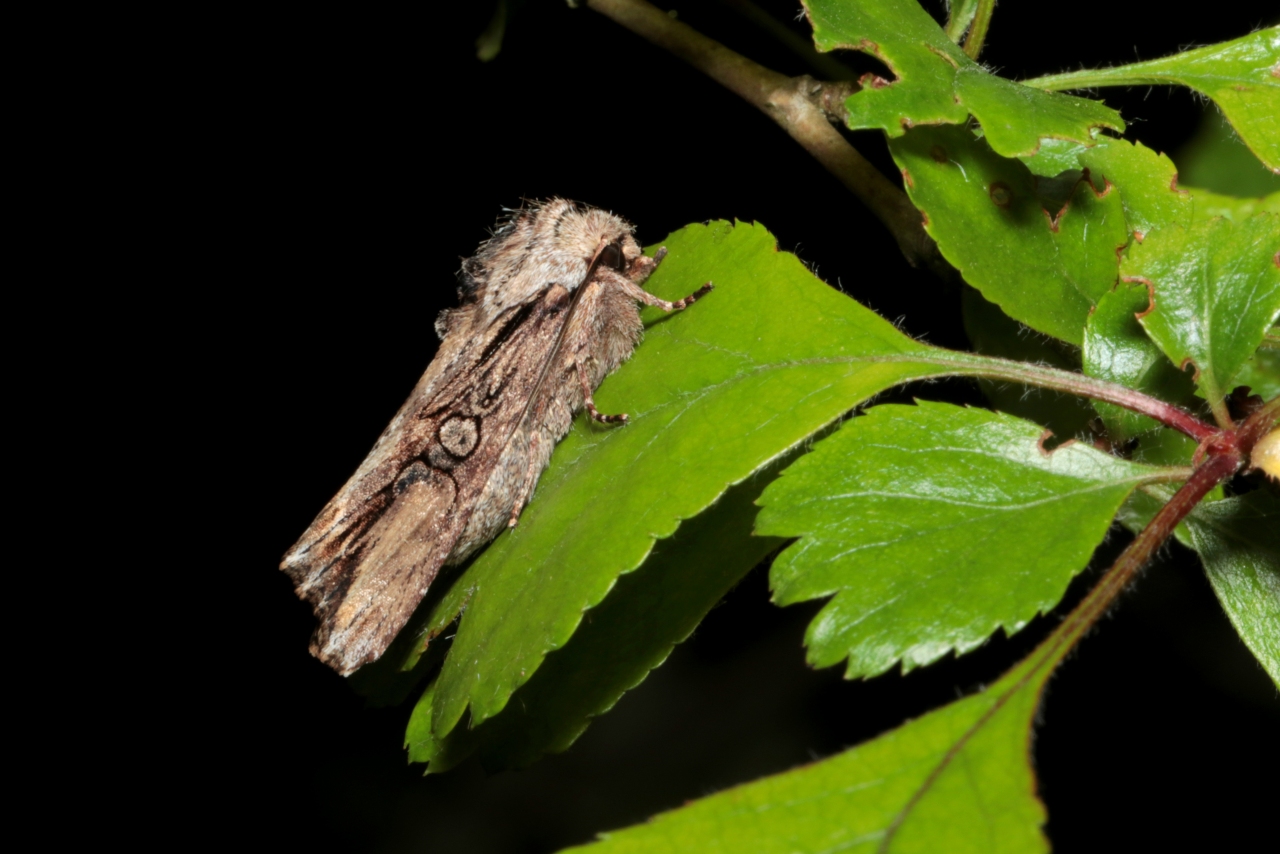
point(1243, 79)
point(1217, 291)
point(1239, 541)
point(1147, 182)
point(1209, 204)
point(936, 83)
point(620, 640)
point(715, 393)
point(1241, 76)
point(1054, 157)
point(956, 780)
point(1261, 372)
point(1217, 160)
point(1044, 251)
point(982, 799)
point(897, 513)
point(1117, 348)
point(1015, 118)
point(904, 37)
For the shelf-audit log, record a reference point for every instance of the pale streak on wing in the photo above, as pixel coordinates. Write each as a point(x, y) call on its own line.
point(407, 545)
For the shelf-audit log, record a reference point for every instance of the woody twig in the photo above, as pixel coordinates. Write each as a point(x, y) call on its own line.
point(802, 106)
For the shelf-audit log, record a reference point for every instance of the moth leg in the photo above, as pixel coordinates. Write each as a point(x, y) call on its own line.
point(644, 265)
point(639, 294)
point(590, 403)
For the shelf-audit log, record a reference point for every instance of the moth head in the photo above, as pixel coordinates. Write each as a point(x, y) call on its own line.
point(557, 242)
point(611, 256)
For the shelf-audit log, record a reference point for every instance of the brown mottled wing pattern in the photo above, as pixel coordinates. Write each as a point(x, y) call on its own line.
point(367, 560)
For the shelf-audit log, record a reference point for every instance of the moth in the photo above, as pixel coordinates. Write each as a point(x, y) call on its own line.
point(550, 305)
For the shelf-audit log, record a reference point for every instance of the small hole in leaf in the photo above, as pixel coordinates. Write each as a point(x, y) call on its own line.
point(1000, 194)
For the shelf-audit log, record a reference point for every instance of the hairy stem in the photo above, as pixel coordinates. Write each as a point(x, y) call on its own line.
point(1041, 376)
point(1213, 471)
point(1089, 78)
point(978, 32)
point(795, 103)
point(960, 18)
point(1050, 652)
point(1221, 414)
point(1258, 425)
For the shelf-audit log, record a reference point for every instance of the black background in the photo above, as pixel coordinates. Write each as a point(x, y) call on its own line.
point(330, 168)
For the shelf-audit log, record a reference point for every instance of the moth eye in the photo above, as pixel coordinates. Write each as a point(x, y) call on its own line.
point(611, 256)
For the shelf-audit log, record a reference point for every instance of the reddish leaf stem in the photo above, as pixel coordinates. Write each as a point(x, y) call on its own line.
point(1224, 454)
point(1214, 470)
point(1259, 424)
point(989, 367)
point(1223, 460)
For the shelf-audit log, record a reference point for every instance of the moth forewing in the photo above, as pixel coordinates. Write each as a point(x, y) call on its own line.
point(548, 309)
